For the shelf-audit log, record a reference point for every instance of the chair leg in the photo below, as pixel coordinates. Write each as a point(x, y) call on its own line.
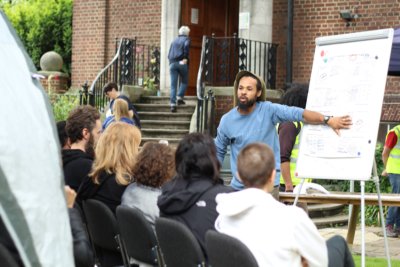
point(124, 254)
point(160, 258)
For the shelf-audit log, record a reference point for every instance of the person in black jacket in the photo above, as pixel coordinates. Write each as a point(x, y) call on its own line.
point(190, 197)
point(83, 128)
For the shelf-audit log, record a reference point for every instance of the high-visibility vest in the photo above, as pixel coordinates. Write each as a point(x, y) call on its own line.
point(393, 162)
point(293, 159)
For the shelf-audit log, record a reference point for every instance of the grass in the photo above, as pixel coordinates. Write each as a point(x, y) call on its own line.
point(375, 262)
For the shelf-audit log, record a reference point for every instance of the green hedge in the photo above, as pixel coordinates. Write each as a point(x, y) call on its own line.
point(43, 25)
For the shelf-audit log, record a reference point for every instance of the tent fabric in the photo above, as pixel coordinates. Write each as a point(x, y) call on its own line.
point(394, 64)
point(32, 201)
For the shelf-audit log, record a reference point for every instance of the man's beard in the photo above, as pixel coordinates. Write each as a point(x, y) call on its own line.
point(89, 147)
point(246, 105)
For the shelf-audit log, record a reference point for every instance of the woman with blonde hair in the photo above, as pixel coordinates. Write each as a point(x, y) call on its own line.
point(120, 113)
point(112, 170)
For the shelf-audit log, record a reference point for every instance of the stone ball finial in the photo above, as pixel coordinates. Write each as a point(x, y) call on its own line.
point(51, 61)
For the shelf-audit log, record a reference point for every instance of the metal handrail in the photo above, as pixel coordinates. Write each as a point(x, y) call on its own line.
point(200, 72)
point(91, 89)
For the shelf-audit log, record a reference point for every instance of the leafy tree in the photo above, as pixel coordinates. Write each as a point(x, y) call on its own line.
point(43, 25)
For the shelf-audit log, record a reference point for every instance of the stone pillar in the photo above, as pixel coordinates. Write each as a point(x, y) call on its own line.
point(260, 28)
point(170, 14)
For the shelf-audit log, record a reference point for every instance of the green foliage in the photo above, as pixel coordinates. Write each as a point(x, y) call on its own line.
point(43, 25)
point(62, 104)
point(376, 262)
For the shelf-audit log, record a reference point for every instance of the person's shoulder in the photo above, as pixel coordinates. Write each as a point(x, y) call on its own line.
point(124, 97)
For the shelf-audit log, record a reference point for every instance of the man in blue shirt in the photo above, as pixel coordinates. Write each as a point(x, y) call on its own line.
point(178, 57)
point(253, 120)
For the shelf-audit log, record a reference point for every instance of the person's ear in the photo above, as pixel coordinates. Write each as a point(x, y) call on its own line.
point(258, 93)
point(85, 133)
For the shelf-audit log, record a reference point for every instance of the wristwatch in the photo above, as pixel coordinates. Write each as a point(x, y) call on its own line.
point(326, 119)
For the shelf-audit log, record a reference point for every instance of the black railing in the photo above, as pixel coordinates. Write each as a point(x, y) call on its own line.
point(132, 64)
point(206, 114)
point(225, 56)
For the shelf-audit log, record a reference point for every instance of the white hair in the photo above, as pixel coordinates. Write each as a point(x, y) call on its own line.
point(184, 30)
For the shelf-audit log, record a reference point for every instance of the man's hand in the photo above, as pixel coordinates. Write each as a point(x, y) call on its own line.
point(70, 195)
point(384, 173)
point(342, 122)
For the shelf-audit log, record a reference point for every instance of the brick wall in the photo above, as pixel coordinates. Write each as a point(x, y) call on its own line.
point(313, 18)
point(96, 24)
point(88, 23)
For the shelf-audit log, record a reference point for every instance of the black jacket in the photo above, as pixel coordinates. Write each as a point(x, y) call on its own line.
point(192, 202)
point(76, 165)
point(107, 191)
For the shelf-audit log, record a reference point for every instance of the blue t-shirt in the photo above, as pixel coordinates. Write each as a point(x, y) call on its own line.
point(238, 130)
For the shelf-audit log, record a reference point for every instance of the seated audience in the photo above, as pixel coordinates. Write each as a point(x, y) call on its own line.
point(83, 128)
point(190, 197)
point(155, 165)
point(120, 113)
point(62, 135)
point(112, 169)
point(277, 235)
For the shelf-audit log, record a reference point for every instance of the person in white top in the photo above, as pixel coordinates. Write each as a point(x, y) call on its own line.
point(276, 234)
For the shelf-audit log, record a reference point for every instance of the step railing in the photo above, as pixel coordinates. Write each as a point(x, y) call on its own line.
point(226, 56)
point(133, 64)
point(220, 60)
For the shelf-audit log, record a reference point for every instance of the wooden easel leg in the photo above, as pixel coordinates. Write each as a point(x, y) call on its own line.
point(352, 224)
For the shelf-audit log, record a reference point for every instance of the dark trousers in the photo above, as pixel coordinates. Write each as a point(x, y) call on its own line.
point(338, 252)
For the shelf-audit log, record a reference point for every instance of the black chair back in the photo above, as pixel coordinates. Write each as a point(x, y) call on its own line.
point(6, 258)
point(224, 250)
point(138, 236)
point(104, 232)
point(178, 245)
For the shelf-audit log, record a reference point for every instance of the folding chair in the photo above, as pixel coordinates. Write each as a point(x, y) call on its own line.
point(178, 245)
point(138, 236)
point(224, 250)
point(104, 233)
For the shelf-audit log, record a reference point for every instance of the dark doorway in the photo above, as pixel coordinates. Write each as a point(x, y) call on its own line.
point(206, 17)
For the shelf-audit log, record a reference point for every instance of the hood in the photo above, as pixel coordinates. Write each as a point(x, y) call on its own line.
point(235, 203)
point(69, 155)
point(242, 73)
point(178, 195)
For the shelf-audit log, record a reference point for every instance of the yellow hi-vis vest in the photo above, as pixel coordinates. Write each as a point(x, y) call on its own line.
point(293, 159)
point(393, 162)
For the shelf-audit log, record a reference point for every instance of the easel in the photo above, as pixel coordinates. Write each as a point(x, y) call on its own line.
point(354, 213)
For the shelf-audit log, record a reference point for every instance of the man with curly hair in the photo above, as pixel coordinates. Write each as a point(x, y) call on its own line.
point(83, 128)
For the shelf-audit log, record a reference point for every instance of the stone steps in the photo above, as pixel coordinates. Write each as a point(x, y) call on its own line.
point(159, 123)
point(164, 108)
point(163, 123)
point(331, 221)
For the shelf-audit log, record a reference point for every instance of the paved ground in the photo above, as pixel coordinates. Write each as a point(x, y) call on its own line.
point(374, 241)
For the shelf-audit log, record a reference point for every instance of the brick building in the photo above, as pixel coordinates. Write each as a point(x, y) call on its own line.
point(96, 24)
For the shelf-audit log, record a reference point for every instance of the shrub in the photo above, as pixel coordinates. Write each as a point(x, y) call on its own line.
point(62, 104)
point(43, 25)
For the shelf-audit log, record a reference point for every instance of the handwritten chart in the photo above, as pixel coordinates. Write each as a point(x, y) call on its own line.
point(348, 78)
